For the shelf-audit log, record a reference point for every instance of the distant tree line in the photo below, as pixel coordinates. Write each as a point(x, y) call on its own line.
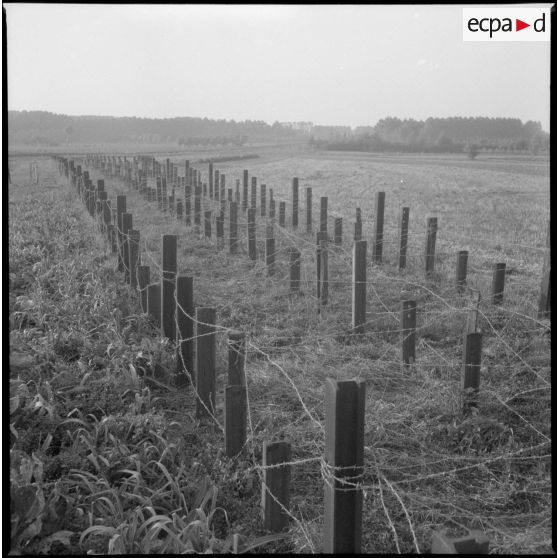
point(50, 128)
point(443, 135)
point(434, 135)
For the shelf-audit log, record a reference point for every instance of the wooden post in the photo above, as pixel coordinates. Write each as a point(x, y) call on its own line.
point(282, 213)
point(230, 195)
point(154, 302)
point(252, 233)
point(91, 199)
point(320, 235)
point(276, 485)
point(359, 286)
point(358, 225)
point(308, 209)
point(233, 227)
point(263, 202)
point(244, 190)
point(403, 236)
point(377, 247)
point(211, 180)
point(171, 201)
point(461, 271)
point(237, 192)
point(272, 208)
point(133, 253)
point(237, 356)
point(408, 331)
point(185, 330)
point(205, 362)
point(472, 315)
point(344, 443)
point(168, 286)
point(216, 185)
point(544, 297)
point(197, 206)
point(472, 350)
point(143, 281)
point(295, 203)
point(235, 419)
point(498, 282)
point(188, 204)
point(323, 214)
point(179, 209)
point(294, 269)
point(338, 235)
point(222, 195)
point(207, 224)
point(220, 224)
point(254, 192)
point(120, 208)
point(431, 228)
point(126, 223)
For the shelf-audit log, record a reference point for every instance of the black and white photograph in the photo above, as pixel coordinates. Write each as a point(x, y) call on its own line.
point(279, 278)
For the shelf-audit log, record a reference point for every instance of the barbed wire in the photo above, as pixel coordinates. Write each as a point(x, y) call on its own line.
point(328, 471)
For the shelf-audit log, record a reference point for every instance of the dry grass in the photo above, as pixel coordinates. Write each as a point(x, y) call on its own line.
point(425, 467)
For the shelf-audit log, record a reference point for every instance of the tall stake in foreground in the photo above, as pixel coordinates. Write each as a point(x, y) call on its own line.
point(168, 286)
point(275, 485)
point(344, 455)
point(378, 246)
point(359, 286)
point(403, 236)
point(430, 251)
point(295, 203)
point(184, 329)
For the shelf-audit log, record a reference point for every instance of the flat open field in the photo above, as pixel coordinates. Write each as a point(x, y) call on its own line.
point(123, 449)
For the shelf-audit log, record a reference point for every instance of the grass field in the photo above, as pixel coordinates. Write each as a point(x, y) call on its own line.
point(97, 452)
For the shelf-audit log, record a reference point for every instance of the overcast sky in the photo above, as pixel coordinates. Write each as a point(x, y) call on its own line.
point(327, 64)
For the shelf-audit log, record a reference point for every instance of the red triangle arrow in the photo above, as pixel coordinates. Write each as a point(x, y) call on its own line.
point(519, 25)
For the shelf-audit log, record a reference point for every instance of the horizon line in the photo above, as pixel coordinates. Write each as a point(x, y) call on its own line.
point(276, 121)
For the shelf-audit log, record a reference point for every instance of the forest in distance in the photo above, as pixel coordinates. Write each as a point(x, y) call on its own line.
point(391, 134)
